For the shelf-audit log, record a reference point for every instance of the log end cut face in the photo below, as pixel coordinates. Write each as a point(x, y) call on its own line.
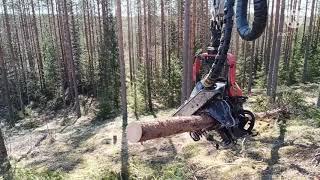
point(134, 132)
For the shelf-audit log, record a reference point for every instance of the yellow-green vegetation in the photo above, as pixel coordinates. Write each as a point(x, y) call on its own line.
point(32, 174)
point(190, 150)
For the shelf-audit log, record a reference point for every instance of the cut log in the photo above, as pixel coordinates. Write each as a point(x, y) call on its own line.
point(139, 132)
point(164, 127)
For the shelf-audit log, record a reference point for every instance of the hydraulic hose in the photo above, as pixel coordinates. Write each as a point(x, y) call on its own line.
point(221, 57)
point(259, 21)
point(246, 33)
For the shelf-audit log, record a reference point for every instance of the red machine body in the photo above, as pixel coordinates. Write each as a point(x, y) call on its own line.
point(208, 59)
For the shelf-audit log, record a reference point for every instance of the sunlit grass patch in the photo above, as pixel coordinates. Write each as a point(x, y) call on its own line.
point(289, 151)
point(30, 174)
point(190, 150)
point(177, 171)
point(140, 169)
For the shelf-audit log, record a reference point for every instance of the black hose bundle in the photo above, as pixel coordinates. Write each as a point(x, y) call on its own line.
point(259, 24)
point(221, 57)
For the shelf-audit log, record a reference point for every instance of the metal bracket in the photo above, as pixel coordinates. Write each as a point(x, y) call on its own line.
point(199, 100)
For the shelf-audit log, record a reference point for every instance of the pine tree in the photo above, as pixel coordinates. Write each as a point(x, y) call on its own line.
point(163, 39)
point(76, 49)
point(124, 148)
point(269, 40)
point(278, 53)
point(108, 65)
point(14, 60)
point(186, 51)
point(147, 31)
point(305, 75)
point(318, 102)
point(38, 49)
point(5, 83)
point(129, 43)
point(69, 57)
point(251, 68)
point(4, 162)
point(274, 45)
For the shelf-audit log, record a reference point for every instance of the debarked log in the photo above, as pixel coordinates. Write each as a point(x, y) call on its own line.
point(164, 127)
point(140, 132)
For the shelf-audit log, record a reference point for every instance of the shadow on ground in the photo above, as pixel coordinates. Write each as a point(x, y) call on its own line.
point(277, 144)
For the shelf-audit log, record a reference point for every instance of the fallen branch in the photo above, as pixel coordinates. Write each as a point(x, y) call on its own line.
point(42, 138)
point(270, 114)
point(316, 159)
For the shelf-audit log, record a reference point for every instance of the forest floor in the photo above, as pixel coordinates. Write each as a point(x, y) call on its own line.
point(54, 146)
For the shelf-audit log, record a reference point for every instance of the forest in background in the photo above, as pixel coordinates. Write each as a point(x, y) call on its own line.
point(64, 51)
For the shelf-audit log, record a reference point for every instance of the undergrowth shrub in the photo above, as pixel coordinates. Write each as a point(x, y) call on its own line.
point(168, 88)
point(111, 175)
point(106, 111)
point(261, 104)
point(137, 91)
point(165, 87)
point(292, 101)
point(287, 99)
point(176, 171)
point(30, 174)
point(166, 169)
point(313, 113)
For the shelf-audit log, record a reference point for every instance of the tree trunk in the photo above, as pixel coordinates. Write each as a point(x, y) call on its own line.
point(69, 57)
point(134, 64)
point(274, 44)
point(269, 41)
point(277, 53)
point(318, 102)
point(251, 66)
point(147, 55)
point(124, 147)
point(304, 26)
point(305, 76)
point(244, 52)
point(290, 77)
point(163, 40)
point(6, 86)
point(186, 51)
point(87, 33)
point(21, 68)
point(129, 42)
point(39, 58)
point(180, 27)
point(4, 162)
point(14, 61)
point(193, 28)
point(154, 65)
point(62, 60)
point(316, 40)
point(139, 38)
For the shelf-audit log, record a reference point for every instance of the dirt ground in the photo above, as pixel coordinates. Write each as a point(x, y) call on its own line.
point(86, 149)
